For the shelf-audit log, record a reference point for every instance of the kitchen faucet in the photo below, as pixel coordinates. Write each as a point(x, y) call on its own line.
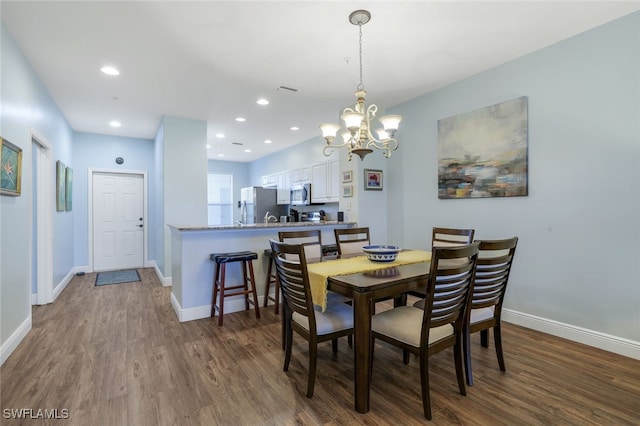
point(269, 218)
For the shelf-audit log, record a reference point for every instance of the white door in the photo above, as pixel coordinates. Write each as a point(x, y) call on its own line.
point(118, 221)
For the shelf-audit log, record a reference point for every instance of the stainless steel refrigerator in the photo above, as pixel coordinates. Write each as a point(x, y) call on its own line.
point(256, 201)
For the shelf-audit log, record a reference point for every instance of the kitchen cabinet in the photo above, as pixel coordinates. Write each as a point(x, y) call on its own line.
point(284, 187)
point(270, 181)
point(301, 175)
point(319, 177)
point(334, 181)
point(325, 182)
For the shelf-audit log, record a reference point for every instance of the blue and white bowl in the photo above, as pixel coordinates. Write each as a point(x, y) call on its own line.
point(381, 253)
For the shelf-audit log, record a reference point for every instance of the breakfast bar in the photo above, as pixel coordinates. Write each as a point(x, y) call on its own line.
point(192, 271)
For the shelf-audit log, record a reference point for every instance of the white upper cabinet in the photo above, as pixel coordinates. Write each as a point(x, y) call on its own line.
point(334, 181)
point(325, 182)
point(301, 175)
point(270, 181)
point(284, 187)
point(319, 177)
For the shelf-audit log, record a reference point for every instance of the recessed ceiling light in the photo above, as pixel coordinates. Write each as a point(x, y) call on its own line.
point(220, 135)
point(241, 119)
point(294, 128)
point(115, 123)
point(247, 150)
point(267, 141)
point(208, 146)
point(262, 101)
point(109, 70)
point(220, 155)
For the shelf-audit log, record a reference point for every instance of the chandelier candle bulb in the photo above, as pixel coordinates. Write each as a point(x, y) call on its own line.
point(359, 140)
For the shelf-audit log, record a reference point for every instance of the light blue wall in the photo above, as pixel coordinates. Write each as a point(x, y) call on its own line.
point(26, 105)
point(93, 151)
point(579, 228)
point(240, 172)
point(184, 164)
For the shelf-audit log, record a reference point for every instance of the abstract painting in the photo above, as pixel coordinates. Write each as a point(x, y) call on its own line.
point(60, 186)
point(483, 153)
point(11, 171)
point(68, 188)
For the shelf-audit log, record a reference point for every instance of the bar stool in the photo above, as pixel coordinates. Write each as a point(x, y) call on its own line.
point(221, 260)
point(271, 279)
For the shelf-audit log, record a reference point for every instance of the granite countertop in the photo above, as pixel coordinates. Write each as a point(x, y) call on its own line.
point(258, 226)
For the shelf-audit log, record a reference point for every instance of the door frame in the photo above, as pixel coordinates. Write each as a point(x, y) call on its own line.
point(145, 213)
point(43, 217)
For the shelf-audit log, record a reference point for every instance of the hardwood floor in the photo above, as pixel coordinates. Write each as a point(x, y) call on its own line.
point(116, 355)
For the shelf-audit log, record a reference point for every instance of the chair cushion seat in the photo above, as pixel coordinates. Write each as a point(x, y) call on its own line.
point(337, 317)
point(405, 324)
point(481, 314)
point(233, 257)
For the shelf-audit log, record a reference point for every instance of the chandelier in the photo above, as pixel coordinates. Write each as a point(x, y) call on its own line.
point(358, 137)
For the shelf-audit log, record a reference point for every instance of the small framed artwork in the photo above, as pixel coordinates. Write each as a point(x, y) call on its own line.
point(373, 179)
point(11, 174)
point(61, 177)
point(347, 191)
point(68, 188)
point(347, 176)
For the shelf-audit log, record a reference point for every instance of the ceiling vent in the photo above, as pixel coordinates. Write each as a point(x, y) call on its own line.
point(286, 89)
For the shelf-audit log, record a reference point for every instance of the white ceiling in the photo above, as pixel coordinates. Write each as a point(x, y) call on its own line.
point(212, 60)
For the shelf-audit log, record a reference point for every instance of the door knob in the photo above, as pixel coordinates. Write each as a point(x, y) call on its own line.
point(140, 226)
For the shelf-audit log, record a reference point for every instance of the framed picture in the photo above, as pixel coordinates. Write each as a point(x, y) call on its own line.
point(347, 190)
point(347, 176)
point(373, 179)
point(11, 160)
point(61, 177)
point(483, 153)
point(68, 188)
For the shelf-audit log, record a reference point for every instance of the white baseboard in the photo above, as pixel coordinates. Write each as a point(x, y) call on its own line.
point(204, 311)
point(165, 281)
point(14, 340)
point(607, 342)
point(63, 284)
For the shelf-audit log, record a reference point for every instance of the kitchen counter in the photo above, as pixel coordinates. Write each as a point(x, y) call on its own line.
point(260, 225)
point(192, 270)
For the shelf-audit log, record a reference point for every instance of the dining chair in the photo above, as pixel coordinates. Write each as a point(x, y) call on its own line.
point(440, 325)
point(495, 258)
point(299, 313)
point(351, 240)
point(312, 240)
point(444, 237)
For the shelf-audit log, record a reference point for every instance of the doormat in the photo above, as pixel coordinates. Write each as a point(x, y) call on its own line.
point(117, 277)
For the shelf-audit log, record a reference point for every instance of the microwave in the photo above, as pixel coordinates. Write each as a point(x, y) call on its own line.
point(301, 195)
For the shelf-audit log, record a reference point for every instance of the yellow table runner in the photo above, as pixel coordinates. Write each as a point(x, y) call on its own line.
point(319, 272)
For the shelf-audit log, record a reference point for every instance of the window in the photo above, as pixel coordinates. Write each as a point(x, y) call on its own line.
point(219, 199)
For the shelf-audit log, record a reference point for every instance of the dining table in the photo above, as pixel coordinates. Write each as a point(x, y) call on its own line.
point(365, 287)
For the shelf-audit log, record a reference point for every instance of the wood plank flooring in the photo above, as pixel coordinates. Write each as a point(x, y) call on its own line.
point(116, 355)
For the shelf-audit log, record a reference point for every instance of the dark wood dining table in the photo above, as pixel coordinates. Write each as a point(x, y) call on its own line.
point(365, 288)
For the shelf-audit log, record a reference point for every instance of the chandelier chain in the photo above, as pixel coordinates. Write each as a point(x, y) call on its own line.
point(361, 85)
